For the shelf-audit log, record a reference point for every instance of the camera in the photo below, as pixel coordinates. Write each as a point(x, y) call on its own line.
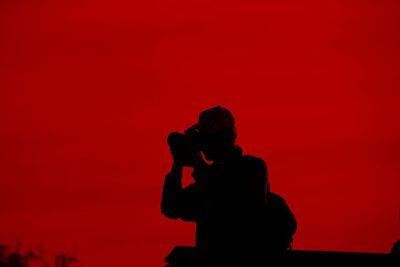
point(189, 139)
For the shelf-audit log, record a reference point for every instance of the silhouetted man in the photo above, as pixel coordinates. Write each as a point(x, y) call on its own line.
point(228, 196)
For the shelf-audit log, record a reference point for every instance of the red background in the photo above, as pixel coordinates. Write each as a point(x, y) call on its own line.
point(90, 90)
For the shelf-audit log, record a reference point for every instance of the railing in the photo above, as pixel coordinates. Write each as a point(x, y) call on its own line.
point(191, 257)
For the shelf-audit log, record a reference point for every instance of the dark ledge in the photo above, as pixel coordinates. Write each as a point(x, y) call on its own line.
point(191, 257)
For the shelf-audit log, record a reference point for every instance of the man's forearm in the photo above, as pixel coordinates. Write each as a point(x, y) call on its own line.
point(171, 191)
point(176, 170)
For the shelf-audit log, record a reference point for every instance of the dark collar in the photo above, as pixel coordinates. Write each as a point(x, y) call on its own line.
point(236, 153)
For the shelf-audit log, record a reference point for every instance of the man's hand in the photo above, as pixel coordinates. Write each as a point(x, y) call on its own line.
point(186, 156)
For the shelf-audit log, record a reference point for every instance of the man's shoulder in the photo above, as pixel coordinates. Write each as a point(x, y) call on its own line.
point(252, 158)
point(253, 161)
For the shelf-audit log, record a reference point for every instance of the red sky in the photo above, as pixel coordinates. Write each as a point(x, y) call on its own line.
point(90, 90)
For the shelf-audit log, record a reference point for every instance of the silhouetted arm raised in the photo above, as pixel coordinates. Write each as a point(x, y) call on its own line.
point(182, 203)
point(172, 189)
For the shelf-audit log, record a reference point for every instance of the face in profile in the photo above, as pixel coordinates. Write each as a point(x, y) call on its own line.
point(214, 146)
point(210, 150)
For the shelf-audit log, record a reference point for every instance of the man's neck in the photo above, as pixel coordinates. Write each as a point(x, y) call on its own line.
point(230, 153)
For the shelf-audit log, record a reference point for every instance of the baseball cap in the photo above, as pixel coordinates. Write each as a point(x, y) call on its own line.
point(214, 119)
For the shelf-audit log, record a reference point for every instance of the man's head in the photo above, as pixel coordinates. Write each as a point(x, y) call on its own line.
point(216, 130)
